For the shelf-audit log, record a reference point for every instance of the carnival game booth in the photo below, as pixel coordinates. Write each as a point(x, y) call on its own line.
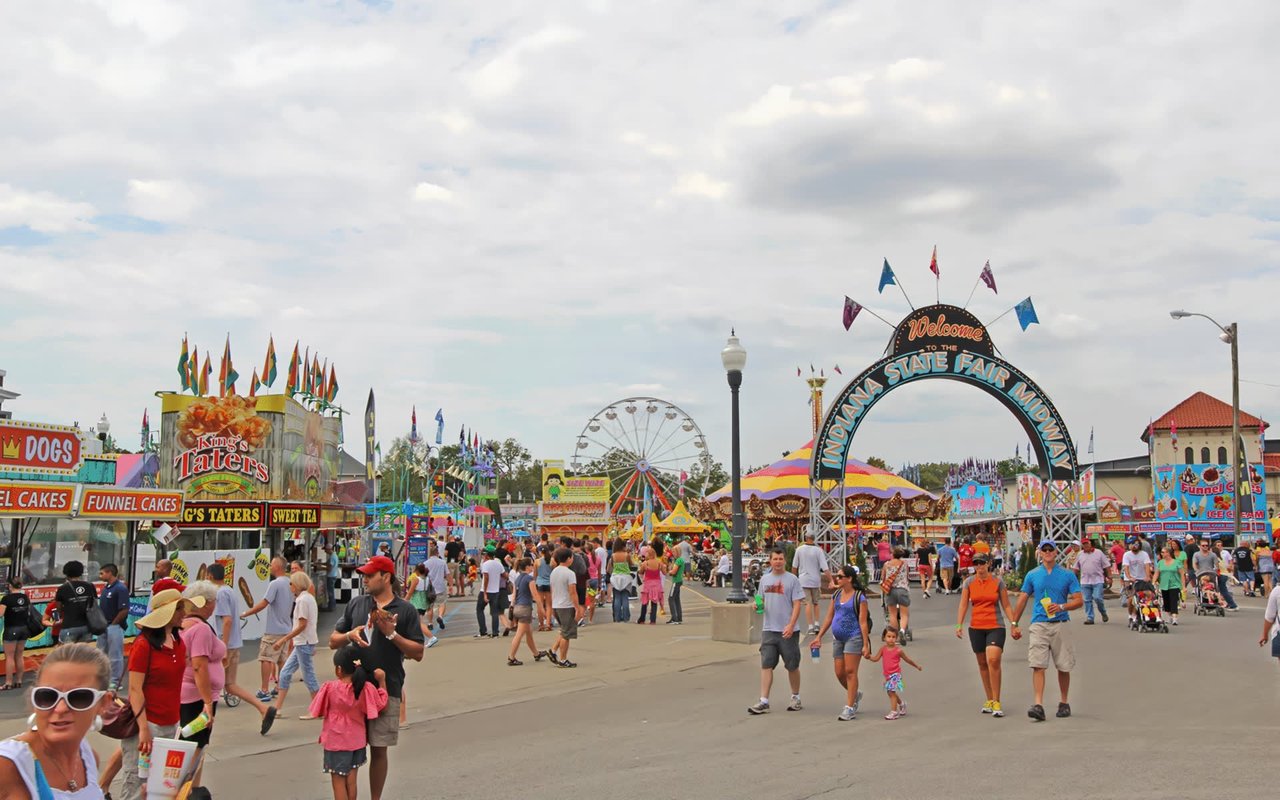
point(259, 478)
point(681, 522)
point(779, 495)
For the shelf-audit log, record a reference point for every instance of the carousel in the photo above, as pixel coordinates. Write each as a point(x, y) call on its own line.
point(779, 496)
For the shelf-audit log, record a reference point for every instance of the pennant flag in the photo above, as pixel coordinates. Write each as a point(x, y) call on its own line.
point(322, 382)
point(254, 383)
point(1173, 432)
point(440, 426)
point(851, 310)
point(837, 369)
point(304, 385)
point(269, 366)
point(886, 277)
point(291, 387)
point(194, 368)
point(811, 368)
point(413, 426)
point(317, 376)
point(988, 277)
point(933, 263)
point(332, 392)
point(798, 373)
point(227, 375)
point(184, 372)
point(146, 424)
point(205, 374)
point(1026, 313)
point(1091, 441)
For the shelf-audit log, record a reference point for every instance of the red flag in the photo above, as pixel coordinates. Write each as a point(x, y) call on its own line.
point(851, 310)
point(837, 369)
point(933, 263)
point(797, 372)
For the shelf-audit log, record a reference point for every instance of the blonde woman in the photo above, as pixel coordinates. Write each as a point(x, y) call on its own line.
point(304, 639)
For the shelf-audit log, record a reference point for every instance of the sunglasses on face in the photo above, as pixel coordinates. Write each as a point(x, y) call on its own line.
point(44, 698)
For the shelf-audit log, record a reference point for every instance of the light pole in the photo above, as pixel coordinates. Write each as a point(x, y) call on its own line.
point(734, 358)
point(1230, 335)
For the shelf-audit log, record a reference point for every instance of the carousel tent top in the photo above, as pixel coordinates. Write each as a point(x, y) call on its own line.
point(790, 476)
point(680, 521)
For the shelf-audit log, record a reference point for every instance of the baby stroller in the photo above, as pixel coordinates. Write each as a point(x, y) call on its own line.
point(1208, 600)
point(1148, 604)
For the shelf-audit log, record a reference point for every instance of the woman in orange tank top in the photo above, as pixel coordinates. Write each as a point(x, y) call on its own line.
point(986, 595)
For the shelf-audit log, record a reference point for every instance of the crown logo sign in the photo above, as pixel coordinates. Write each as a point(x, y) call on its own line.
point(11, 449)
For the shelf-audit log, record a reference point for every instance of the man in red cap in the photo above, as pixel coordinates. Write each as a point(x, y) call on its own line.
point(386, 629)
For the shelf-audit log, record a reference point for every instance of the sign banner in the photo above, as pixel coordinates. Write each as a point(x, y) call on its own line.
point(586, 490)
point(293, 515)
point(224, 515)
point(152, 504)
point(39, 449)
point(943, 341)
point(245, 571)
point(972, 499)
point(553, 480)
point(566, 512)
point(370, 468)
point(36, 499)
point(1206, 492)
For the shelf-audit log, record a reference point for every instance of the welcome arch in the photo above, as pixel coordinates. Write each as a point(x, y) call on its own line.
point(949, 343)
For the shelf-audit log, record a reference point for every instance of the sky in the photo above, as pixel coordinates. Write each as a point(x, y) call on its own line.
point(521, 214)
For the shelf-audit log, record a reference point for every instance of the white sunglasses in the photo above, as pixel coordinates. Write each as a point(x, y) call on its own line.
point(45, 698)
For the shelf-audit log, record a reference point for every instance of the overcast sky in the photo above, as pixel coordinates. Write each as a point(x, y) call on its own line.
point(521, 212)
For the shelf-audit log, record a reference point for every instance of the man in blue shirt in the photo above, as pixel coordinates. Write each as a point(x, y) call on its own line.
point(114, 602)
point(331, 584)
point(947, 557)
point(1053, 591)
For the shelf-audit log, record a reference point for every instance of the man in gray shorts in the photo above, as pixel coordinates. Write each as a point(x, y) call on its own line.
point(809, 563)
point(780, 639)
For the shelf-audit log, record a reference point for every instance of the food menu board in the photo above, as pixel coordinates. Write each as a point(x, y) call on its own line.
point(247, 573)
point(1194, 492)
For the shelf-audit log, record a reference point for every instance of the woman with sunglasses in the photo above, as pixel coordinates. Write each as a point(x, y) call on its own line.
point(847, 621)
point(986, 595)
point(69, 695)
point(157, 662)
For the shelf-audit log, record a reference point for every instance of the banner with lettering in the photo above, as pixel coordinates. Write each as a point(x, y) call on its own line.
point(1206, 492)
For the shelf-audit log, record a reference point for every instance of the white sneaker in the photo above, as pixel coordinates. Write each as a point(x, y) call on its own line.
point(433, 641)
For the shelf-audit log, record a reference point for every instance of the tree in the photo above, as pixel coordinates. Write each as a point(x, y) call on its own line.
point(510, 457)
point(933, 475)
point(878, 463)
point(705, 478)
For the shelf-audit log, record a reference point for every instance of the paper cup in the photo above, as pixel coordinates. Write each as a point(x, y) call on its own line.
point(172, 762)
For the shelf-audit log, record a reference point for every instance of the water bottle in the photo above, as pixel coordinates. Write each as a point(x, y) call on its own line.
point(144, 763)
point(815, 651)
point(759, 604)
point(195, 726)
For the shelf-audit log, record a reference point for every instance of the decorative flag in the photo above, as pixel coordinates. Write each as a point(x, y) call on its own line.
point(798, 372)
point(886, 277)
point(369, 462)
point(440, 426)
point(933, 263)
point(1091, 441)
point(317, 376)
point(413, 426)
point(205, 374)
point(811, 368)
point(322, 382)
point(837, 369)
point(1026, 313)
point(851, 310)
point(304, 384)
point(194, 367)
point(291, 386)
point(146, 424)
point(1173, 432)
point(331, 392)
point(1151, 438)
point(989, 278)
point(269, 366)
point(227, 376)
point(184, 371)
point(254, 384)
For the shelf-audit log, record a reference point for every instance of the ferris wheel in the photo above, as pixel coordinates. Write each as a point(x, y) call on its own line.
point(646, 446)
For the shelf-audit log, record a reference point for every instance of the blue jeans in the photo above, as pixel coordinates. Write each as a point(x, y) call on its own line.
point(333, 593)
point(80, 633)
point(112, 643)
point(301, 656)
point(1223, 589)
point(621, 606)
point(1092, 594)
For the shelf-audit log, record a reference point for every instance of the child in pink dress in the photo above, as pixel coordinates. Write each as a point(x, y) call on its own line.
point(891, 656)
point(346, 704)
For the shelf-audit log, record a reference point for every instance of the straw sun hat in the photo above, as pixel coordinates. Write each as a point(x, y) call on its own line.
point(163, 606)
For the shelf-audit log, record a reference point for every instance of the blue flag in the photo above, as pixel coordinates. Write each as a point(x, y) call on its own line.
point(886, 277)
point(440, 426)
point(1026, 313)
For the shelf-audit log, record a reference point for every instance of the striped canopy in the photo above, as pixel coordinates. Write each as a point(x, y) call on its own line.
point(790, 477)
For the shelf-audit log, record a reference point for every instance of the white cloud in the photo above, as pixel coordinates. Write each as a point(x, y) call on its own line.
point(502, 74)
point(162, 200)
point(42, 211)
point(700, 184)
point(426, 192)
point(911, 69)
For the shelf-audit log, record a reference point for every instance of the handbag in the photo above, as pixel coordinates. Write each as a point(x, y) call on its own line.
point(96, 620)
point(118, 721)
point(886, 584)
point(35, 624)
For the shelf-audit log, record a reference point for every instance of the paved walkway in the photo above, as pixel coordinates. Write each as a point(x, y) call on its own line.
point(659, 711)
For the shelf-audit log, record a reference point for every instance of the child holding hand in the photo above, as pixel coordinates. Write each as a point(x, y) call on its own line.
point(890, 657)
point(346, 704)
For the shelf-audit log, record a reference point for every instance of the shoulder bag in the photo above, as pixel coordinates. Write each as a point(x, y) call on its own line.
point(94, 618)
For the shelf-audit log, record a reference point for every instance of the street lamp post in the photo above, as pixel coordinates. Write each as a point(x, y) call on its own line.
point(1230, 335)
point(734, 358)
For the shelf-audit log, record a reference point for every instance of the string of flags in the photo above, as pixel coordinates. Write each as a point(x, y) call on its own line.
point(307, 379)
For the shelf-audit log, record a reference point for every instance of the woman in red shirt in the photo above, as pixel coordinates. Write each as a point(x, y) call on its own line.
point(157, 661)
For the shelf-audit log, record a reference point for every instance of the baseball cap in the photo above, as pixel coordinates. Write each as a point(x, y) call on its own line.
point(377, 564)
point(167, 583)
point(1048, 545)
point(981, 558)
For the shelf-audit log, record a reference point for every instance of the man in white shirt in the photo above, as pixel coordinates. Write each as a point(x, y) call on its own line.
point(438, 575)
point(1136, 565)
point(490, 594)
point(809, 563)
point(1269, 621)
point(602, 565)
point(564, 605)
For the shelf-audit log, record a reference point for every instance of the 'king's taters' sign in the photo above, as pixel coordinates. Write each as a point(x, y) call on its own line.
point(39, 449)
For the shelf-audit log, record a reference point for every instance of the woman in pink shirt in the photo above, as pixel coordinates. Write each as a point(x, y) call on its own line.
point(204, 677)
point(346, 704)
